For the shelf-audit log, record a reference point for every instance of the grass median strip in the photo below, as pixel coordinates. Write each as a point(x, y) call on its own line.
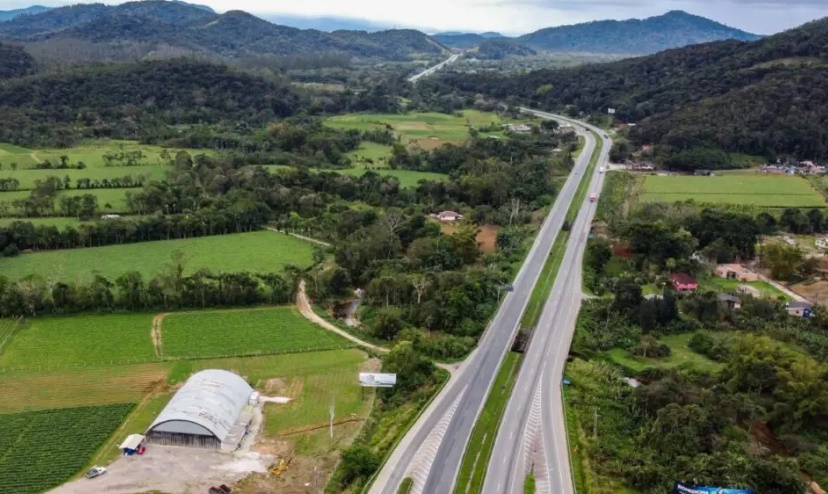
point(479, 450)
point(583, 187)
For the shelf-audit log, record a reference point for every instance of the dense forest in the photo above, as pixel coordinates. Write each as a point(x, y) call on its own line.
point(14, 62)
point(232, 34)
point(764, 97)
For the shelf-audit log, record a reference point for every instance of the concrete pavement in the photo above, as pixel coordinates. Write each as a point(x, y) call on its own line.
point(526, 443)
point(459, 405)
point(431, 70)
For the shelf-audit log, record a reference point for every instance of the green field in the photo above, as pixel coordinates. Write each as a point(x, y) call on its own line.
point(86, 340)
point(109, 200)
point(91, 154)
point(371, 153)
point(680, 355)
point(40, 450)
point(249, 332)
point(426, 130)
point(715, 283)
point(27, 178)
point(262, 252)
point(751, 190)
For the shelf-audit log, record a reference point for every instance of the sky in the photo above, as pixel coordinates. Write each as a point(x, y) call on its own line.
point(515, 16)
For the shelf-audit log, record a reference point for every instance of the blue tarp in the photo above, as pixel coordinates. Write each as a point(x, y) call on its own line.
point(682, 488)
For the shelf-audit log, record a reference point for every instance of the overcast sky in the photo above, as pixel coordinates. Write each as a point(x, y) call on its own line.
point(518, 16)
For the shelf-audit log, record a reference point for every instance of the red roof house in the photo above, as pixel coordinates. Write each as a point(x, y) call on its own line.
point(683, 282)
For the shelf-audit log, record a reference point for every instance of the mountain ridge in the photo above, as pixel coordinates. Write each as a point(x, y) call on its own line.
point(231, 34)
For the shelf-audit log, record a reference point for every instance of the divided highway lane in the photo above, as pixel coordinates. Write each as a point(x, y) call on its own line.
point(431, 70)
point(533, 428)
point(470, 388)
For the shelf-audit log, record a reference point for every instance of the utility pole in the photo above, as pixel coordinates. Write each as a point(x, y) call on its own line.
point(595, 424)
point(332, 415)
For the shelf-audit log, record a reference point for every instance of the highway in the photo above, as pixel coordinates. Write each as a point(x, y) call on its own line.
point(454, 413)
point(431, 70)
point(532, 434)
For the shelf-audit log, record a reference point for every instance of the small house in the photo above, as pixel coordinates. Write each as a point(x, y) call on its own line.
point(519, 128)
point(110, 216)
point(799, 309)
point(683, 282)
point(703, 173)
point(134, 443)
point(821, 243)
point(731, 301)
point(447, 216)
point(736, 272)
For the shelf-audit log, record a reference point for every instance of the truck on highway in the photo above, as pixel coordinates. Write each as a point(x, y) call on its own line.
point(592, 197)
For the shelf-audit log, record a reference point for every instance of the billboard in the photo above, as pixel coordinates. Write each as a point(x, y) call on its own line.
point(374, 380)
point(682, 488)
point(611, 111)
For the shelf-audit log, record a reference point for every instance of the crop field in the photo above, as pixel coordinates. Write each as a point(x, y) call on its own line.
point(28, 177)
point(79, 341)
point(40, 450)
point(263, 251)
point(771, 191)
point(109, 200)
point(426, 130)
point(92, 155)
point(243, 332)
point(33, 390)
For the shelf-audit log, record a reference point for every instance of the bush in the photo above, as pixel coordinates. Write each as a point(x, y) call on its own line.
point(358, 461)
point(11, 250)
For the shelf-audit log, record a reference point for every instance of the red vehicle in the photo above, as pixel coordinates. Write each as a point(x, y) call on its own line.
point(592, 197)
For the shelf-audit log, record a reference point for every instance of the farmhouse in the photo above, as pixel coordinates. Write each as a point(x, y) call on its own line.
point(799, 309)
point(519, 128)
point(736, 272)
point(209, 411)
point(731, 301)
point(821, 243)
point(683, 283)
point(447, 216)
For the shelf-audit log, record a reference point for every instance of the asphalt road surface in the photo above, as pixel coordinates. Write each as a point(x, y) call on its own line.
point(473, 383)
point(431, 70)
point(532, 435)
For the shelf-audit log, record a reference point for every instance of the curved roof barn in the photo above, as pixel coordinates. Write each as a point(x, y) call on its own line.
point(204, 410)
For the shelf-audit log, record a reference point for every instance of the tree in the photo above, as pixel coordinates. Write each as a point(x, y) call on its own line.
point(627, 295)
point(358, 461)
point(784, 261)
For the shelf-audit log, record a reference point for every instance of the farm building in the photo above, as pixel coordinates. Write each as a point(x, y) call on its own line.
point(683, 282)
point(211, 410)
point(736, 272)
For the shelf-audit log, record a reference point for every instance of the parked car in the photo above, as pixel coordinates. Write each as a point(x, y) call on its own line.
point(95, 472)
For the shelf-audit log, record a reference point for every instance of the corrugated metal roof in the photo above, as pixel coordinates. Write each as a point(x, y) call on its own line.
point(131, 442)
point(212, 399)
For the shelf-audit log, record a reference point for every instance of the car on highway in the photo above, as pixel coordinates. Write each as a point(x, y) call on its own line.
point(95, 472)
point(592, 197)
point(600, 169)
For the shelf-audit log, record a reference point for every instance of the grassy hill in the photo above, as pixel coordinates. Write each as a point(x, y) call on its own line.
point(765, 97)
point(194, 29)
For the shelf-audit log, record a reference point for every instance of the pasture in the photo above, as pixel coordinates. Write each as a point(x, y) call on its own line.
point(91, 154)
point(28, 177)
point(79, 341)
point(372, 154)
point(263, 252)
point(680, 356)
point(40, 450)
point(109, 200)
point(426, 130)
point(770, 191)
point(263, 331)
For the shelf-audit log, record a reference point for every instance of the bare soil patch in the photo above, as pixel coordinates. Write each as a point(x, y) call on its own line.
point(275, 386)
point(155, 333)
point(486, 235)
point(816, 291)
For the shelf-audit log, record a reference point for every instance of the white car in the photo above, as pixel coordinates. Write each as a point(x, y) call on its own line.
point(95, 472)
point(601, 169)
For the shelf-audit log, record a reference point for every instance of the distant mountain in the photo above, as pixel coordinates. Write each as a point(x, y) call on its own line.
point(764, 97)
point(202, 7)
point(634, 36)
point(197, 30)
point(5, 15)
point(465, 40)
point(326, 24)
point(491, 34)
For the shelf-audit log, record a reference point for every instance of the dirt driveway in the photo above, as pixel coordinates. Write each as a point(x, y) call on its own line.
point(171, 469)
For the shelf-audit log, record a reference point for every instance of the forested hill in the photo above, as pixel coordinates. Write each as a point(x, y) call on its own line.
point(634, 36)
point(14, 62)
point(197, 30)
point(764, 97)
point(136, 100)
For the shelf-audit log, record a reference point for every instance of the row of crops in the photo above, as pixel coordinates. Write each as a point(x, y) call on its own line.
point(42, 449)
